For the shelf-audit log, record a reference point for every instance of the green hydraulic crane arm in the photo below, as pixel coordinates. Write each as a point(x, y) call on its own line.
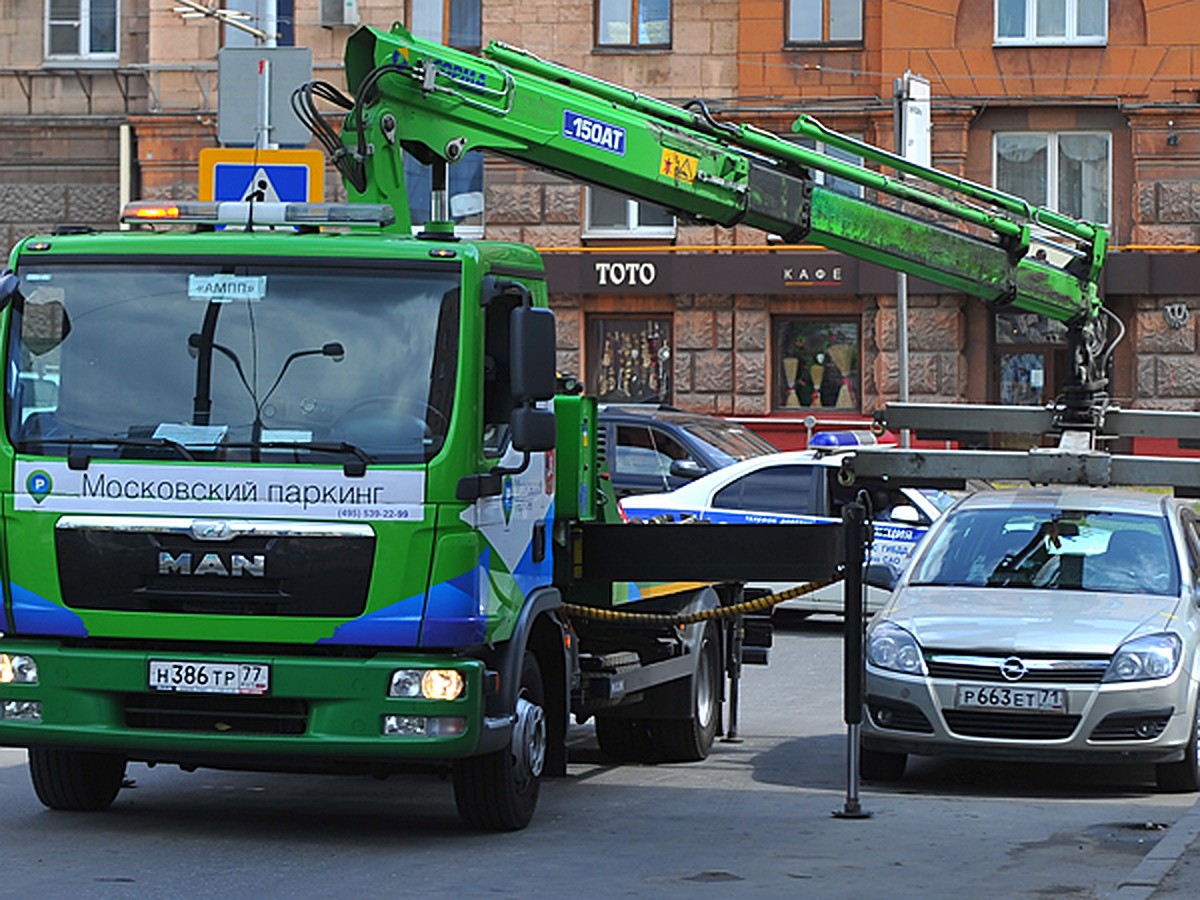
point(440, 103)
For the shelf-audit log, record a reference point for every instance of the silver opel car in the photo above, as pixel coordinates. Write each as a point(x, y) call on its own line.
point(1046, 624)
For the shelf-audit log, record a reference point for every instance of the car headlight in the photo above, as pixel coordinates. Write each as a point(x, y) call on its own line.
point(891, 647)
point(1145, 658)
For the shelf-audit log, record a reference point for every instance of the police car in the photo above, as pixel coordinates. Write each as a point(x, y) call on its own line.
point(797, 487)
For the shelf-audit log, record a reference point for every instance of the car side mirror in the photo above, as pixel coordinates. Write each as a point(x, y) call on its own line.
point(906, 514)
point(881, 575)
point(686, 468)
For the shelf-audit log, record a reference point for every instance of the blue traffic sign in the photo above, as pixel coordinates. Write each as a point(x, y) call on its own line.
point(265, 176)
point(264, 184)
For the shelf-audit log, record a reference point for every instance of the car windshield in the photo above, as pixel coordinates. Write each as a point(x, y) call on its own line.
point(1051, 548)
point(729, 443)
point(941, 500)
point(259, 361)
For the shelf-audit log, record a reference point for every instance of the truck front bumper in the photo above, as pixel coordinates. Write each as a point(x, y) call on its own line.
point(314, 712)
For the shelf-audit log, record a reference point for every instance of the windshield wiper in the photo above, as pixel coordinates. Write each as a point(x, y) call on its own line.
point(354, 468)
point(78, 458)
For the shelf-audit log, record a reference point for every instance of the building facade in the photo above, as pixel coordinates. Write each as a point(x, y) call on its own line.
point(1090, 107)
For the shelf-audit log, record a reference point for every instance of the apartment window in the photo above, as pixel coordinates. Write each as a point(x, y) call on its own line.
point(464, 186)
point(824, 21)
point(633, 23)
point(611, 214)
point(455, 23)
point(1069, 172)
point(1051, 21)
point(629, 358)
point(816, 363)
point(81, 29)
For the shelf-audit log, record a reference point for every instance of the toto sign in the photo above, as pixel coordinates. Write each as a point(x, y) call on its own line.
point(625, 274)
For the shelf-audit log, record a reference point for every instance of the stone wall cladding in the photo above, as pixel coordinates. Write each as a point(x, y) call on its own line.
point(509, 204)
point(695, 330)
point(1155, 335)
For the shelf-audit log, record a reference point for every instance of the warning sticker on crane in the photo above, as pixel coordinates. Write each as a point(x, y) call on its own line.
point(678, 165)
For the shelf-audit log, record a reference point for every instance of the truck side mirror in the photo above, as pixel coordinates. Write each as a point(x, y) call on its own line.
point(533, 343)
point(533, 429)
point(9, 285)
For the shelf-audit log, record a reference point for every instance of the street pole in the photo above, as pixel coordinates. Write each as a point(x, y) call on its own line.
point(912, 135)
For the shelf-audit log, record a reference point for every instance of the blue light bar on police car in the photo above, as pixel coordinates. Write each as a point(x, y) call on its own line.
point(827, 440)
point(241, 213)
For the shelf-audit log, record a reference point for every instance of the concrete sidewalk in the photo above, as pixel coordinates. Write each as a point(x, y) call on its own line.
point(1169, 869)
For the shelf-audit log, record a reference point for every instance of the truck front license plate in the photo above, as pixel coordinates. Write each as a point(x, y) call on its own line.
point(1010, 699)
point(197, 677)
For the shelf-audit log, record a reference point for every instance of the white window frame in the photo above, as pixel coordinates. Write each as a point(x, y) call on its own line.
point(826, 13)
point(431, 20)
point(609, 12)
point(83, 33)
point(632, 227)
point(1071, 37)
point(1053, 182)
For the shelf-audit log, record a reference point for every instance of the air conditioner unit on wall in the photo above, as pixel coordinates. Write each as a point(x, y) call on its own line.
point(335, 13)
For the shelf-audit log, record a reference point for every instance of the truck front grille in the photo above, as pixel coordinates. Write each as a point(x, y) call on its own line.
point(216, 713)
point(251, 569)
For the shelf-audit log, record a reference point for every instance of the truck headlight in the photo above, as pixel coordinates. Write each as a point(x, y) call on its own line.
point(1145, 658)
point(17, 669)
point(891, 647)
point(429, 684)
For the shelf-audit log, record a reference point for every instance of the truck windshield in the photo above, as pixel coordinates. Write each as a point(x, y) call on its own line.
point(256, 362)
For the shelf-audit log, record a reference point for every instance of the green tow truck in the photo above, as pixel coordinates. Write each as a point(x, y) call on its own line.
point(291, 488)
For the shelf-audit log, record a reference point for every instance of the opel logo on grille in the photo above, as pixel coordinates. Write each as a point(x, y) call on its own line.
point(1013, 669)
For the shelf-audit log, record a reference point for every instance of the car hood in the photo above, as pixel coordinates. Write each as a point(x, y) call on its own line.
point(1013, 620)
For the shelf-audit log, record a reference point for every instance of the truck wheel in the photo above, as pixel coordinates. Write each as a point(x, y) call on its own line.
point(499, 791)
point(624, 739)
point(881, 765)
point(76, 781)
point(686, 739)
point(691, 739)
point(1183, 776)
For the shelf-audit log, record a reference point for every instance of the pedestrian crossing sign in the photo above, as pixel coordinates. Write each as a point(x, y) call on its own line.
point(264, 176)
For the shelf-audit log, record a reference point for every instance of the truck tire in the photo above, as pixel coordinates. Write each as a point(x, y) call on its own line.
point(691, 739)
point(687, 739)
point(499, 791)
point(624, 739)
point(76, 781)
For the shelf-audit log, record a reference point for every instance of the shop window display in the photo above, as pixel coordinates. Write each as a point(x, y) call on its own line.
point(816, 364)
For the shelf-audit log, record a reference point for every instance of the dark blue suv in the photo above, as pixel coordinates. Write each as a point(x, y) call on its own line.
point(652, 448)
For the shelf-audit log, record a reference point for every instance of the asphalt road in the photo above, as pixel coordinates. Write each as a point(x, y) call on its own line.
point(754, 820)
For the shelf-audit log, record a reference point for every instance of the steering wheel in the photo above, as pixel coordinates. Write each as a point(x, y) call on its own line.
point(385, 413)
